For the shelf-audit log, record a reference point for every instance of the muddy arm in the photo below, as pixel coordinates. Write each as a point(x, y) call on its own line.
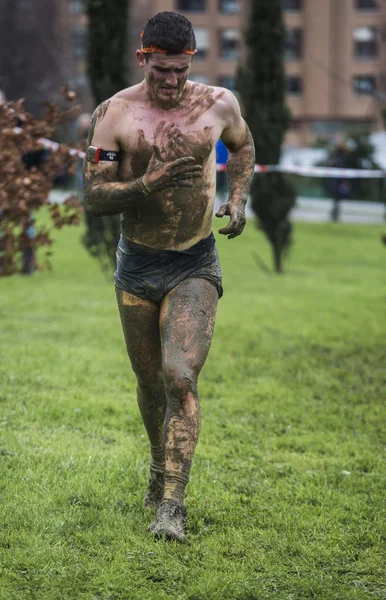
point(104, 194)
point(240, 168)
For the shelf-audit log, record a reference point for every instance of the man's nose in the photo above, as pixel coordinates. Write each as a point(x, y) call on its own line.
point(171, 79)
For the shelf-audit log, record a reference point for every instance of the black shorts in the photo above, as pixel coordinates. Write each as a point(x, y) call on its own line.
point(151, 274)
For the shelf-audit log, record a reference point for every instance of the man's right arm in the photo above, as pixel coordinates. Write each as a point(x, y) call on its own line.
point(104, 194)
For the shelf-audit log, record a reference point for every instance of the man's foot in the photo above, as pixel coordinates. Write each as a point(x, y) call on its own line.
point(155, 489)
point(170, 521)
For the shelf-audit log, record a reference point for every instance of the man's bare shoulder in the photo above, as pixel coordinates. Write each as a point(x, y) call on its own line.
point(227, 104)
point(195, 89)
point(119, 103)
point(132, 94)
point(108, 115)
point(223, 101)
point(199, 98)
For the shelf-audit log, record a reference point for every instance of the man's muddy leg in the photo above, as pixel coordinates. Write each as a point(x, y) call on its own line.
point(187, 321)
point(140, 323)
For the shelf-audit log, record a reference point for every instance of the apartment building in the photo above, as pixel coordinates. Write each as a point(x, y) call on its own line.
point(335, 56)
point(335, 65)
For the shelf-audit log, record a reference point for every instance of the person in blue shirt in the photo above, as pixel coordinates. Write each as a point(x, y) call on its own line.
point(221, 177)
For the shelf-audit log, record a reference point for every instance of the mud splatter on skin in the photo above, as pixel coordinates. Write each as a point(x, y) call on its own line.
point(187, 323)
point(173, 215)
point(153, 83)
point(141, 157)
point(178, 208)
point(240, 169)
point(140, 324)
point(97, 116)
point(197, 99)
point(167, 347)
point(104, 193)
point(172, 143)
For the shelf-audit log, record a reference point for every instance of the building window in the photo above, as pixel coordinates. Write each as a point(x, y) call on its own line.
point(76, 6)
point(294, 85)
point(202, 42)
point(229, 44)
point(293, 49)
point(198, 78)
point(364, 84)
point(229, 7)
point(366, 4)
point(292, 5)
point(78, 37)
point(192, 5)
point(365, 42)
point(227, 81)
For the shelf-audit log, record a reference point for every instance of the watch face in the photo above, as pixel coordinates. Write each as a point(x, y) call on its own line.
point(92, 154)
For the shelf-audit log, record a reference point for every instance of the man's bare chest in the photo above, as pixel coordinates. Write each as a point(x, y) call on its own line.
point(173, 135)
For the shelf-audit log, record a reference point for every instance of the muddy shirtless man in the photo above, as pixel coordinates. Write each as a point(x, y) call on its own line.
point(151, 157)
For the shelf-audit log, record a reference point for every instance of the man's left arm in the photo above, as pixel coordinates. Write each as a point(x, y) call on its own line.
point(240, 168)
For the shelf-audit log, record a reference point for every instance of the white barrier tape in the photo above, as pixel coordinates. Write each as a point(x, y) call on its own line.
point(328, 172)
point(296, 170)
point(318, 171)
point(54, 146)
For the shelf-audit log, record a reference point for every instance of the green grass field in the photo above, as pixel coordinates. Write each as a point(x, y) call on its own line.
point(287, 491)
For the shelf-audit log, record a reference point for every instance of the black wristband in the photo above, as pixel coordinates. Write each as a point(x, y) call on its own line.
point(95, 155)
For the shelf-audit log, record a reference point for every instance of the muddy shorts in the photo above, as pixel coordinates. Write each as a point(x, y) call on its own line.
point(151, 274)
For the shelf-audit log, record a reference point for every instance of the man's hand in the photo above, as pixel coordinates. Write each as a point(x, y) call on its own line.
point(237, 222)
point(160, 175)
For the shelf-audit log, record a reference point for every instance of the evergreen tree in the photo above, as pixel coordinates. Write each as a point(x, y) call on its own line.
point(262, 87)
point(107, 67)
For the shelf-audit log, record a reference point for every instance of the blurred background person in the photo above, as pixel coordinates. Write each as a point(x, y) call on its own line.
point(338, 187)
point(221, 177)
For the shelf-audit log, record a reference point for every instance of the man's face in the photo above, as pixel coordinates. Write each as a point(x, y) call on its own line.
point(166, 76)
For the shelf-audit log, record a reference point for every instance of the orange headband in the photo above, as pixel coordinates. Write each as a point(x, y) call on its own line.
point(150, 49)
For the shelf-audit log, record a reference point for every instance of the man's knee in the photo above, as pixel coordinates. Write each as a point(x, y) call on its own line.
point(180, 383)
point(149, 380)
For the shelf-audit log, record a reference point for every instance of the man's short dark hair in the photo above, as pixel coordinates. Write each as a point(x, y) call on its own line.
point(169, 31)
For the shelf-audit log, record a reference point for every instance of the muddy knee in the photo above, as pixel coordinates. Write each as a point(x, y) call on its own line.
point(150, 393)
point(180, 386)
point(149, 382)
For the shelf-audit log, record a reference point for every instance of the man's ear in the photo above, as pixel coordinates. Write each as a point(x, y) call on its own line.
point(140, 58)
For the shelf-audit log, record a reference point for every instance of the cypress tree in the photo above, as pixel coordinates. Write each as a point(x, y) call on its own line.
point(262, 87)
point(107, 68)
point(107, 47)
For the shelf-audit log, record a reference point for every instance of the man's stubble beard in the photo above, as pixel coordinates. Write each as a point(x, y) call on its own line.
point(163, 101)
